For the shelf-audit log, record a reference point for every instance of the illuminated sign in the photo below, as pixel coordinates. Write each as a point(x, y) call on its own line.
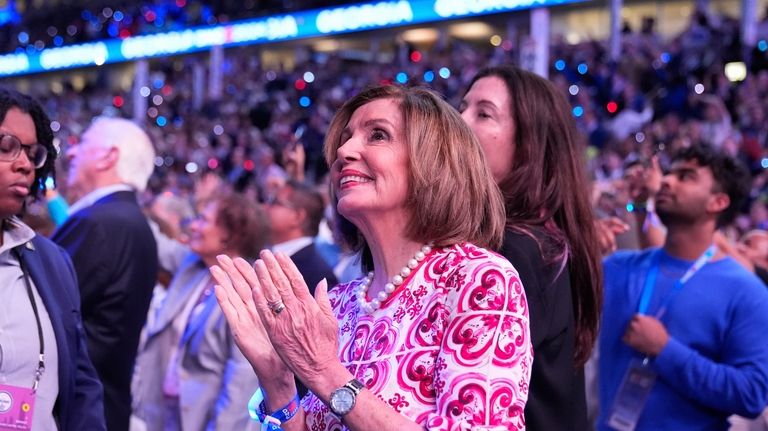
point(161, 44)
point(284, 27)
point(462, 8)
point(299, 25)
point(14, 64)
point(365, 16)
point(86, 54)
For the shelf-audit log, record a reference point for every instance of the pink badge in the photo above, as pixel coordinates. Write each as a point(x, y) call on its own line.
point(16, 407)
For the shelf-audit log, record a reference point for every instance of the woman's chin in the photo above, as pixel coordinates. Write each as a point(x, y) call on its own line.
point(195, 248)
point(349, 207)
point(11, 206)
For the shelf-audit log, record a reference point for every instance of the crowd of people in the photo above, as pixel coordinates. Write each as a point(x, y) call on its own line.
point(38, 26)
point(662, 95)
point(334, 249)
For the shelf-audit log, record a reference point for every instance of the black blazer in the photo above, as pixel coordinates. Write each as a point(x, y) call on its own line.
point(313, 267)
point(556, 399)
point(115, 258)
point(79, 405)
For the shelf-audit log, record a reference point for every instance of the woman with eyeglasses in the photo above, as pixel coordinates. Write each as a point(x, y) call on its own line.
point(47, 380)
point(189, 373)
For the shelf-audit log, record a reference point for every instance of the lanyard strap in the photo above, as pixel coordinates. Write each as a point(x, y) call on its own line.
point(41, 359)
point(197, 320)
point(653, 272)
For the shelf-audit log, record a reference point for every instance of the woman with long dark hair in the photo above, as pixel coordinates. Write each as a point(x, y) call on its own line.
point(525, 127)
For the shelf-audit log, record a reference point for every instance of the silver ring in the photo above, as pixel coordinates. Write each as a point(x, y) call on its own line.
point(277, 307)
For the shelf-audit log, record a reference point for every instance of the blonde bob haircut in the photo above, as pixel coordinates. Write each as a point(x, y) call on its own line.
point(452, 194)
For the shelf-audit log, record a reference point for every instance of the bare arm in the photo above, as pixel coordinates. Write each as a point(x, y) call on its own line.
point(650, 232)
point(643, 186)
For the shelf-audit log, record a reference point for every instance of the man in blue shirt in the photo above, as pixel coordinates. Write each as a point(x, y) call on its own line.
point(695, 318)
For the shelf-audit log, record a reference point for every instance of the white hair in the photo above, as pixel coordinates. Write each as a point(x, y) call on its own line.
point(137, 154)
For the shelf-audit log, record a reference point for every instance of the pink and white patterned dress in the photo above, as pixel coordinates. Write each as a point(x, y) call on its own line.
point(450, 349)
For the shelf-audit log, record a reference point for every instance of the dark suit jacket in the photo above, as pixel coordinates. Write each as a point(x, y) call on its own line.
point(313, 267)
point(115, 258)
point(556, 399)
point(79, 405)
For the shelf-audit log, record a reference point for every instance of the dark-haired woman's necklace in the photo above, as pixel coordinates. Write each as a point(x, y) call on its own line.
point(397, 280)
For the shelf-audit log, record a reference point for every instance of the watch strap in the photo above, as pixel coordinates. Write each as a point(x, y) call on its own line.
point(355, 385)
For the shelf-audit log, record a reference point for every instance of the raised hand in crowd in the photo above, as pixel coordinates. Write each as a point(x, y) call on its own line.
point(607, 230)
point(294, 160)
point(644, 181)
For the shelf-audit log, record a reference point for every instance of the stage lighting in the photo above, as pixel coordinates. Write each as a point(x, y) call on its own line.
point(736, 71)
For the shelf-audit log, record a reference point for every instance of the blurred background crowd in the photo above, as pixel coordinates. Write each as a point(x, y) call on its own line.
point(75, 22)
point(664, 93)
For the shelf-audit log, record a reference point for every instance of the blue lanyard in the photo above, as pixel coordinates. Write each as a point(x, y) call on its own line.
point(653, 272)
point(196, 321)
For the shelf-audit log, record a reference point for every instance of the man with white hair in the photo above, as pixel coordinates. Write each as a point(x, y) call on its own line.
point(113, 251)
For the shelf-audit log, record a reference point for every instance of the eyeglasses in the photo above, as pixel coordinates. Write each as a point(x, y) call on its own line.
point(11, 146)
point(273, 200)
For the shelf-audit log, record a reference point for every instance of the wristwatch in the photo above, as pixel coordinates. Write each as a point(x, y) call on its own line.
point(343, 398)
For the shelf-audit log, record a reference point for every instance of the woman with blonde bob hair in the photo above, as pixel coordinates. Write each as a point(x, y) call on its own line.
point(436, 335)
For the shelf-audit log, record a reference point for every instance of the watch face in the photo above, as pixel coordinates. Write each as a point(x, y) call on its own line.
point(342, 400)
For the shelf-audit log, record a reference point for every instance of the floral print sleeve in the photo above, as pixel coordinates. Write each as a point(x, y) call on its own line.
point(450, 349)
point(483, 368)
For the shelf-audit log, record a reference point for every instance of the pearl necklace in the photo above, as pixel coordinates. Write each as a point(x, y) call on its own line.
point(397, 280)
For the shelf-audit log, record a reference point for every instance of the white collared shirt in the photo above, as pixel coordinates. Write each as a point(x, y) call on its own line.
point(290, 247)
point(19, 340)
point(95, 195)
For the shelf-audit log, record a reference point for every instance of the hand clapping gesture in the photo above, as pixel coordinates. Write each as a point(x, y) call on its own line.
point(277, 324)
